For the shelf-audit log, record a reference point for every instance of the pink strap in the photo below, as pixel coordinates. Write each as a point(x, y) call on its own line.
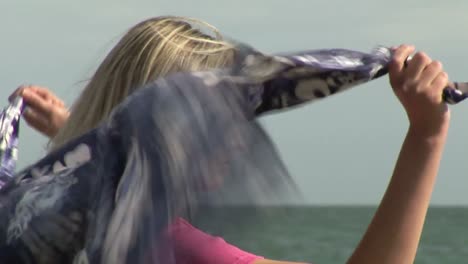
point(196, 247)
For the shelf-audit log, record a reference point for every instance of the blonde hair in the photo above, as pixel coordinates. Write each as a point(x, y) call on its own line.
point(151, 49)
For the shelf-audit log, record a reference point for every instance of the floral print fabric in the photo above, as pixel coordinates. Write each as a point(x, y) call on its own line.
point(182, 142)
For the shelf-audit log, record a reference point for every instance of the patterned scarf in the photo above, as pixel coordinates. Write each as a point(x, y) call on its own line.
point(320, 63)
point(323, 64)
point(9, 132)
point(167, 145)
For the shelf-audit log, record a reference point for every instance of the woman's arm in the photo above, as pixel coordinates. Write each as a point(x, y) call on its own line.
point(394, 233)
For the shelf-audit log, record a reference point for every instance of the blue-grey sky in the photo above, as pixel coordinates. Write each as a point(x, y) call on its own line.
point(341, 150)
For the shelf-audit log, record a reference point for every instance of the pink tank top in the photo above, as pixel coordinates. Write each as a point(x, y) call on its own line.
point(193, 246)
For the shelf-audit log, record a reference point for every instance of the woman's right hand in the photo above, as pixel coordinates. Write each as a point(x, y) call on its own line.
point(44, 111)
point(418, 84)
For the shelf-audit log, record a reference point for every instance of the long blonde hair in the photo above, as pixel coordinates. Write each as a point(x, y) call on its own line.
point(149, 50)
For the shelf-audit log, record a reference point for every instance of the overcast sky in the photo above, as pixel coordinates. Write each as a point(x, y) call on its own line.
point(341, 150)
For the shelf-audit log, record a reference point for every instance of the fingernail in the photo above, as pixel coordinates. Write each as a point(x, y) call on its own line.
point(13, 95)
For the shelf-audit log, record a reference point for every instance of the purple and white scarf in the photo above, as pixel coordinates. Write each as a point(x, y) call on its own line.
point(182, 142)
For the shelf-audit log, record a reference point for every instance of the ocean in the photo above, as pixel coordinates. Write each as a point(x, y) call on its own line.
point(323, 235)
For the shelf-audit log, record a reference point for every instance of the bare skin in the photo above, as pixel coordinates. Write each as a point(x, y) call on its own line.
point(45, 112)
point(394, 233)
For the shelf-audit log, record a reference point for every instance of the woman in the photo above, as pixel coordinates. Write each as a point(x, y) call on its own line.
point(394, 233)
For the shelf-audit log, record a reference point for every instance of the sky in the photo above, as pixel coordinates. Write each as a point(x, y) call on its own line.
point(340, 151)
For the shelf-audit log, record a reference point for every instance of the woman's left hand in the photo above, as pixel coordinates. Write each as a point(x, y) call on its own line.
point(44, 111)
